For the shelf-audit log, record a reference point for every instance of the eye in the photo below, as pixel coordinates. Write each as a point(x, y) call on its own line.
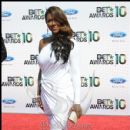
point(49, 21)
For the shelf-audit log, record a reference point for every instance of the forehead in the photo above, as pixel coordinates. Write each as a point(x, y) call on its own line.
point(50, 16)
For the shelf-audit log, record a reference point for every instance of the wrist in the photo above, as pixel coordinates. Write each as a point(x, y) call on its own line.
point(38, 96)
point(76, 101)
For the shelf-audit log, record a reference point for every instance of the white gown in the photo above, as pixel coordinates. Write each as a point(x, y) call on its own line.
point(60, 85)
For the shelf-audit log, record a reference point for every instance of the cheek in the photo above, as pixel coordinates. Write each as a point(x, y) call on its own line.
point(49, 27)
point(58, 27)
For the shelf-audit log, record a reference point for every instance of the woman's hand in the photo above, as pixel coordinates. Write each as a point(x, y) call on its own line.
point(77, 109)
point(39, 102)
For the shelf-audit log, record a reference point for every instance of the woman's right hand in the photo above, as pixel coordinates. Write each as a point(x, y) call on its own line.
point(39, 102)
point(77, 109)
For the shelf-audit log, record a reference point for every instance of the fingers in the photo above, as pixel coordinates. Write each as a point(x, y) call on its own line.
point(71, 109)
point(77, 109)
point(78, 114)
point(39, 103)
point(42, 108)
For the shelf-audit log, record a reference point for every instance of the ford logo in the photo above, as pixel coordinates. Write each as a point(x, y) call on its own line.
point(118, 80)
point(9, 58)
point(8, 101)
point(46, 35)
point(70, 11)
point(118, 34)
point(6, 14)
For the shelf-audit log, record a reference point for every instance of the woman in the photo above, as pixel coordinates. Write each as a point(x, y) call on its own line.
point(3, 50)
point(59, 76)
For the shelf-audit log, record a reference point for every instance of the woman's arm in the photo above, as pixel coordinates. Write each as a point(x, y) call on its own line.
point(75, 72)
point(3, 50)
point(39, 83)
point(75, 75)
point(42, 43)
point(38, 98)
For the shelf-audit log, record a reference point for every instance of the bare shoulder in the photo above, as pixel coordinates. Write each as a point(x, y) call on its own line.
point(42, 43)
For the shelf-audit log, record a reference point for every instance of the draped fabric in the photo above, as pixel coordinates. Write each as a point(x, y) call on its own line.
point(60, 85)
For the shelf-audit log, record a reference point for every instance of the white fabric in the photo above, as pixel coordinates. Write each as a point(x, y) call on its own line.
point(60, 85)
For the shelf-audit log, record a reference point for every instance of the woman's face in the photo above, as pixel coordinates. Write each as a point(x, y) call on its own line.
point(52, 24)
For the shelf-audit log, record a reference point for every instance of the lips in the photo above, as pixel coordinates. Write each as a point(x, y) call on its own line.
point(54, 28)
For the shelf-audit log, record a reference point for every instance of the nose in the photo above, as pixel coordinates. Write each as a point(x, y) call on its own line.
point(53, 22)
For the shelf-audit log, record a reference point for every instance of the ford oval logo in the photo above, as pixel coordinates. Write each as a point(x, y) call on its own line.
point(8, 101)
point(118, 34)
point(70, 11)
point(9, 58)
point(46, 35)
point(6, 14)
point(118, 80)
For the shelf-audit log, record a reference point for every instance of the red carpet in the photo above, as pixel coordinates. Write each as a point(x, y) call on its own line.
point(40, 122)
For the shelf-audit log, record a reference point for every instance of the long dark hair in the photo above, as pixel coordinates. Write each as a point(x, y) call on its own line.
point(62, 44)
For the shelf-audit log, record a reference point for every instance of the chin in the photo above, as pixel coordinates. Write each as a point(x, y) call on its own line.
point(55, 32)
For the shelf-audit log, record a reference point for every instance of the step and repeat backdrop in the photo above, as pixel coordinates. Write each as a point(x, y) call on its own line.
point(102, 30)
